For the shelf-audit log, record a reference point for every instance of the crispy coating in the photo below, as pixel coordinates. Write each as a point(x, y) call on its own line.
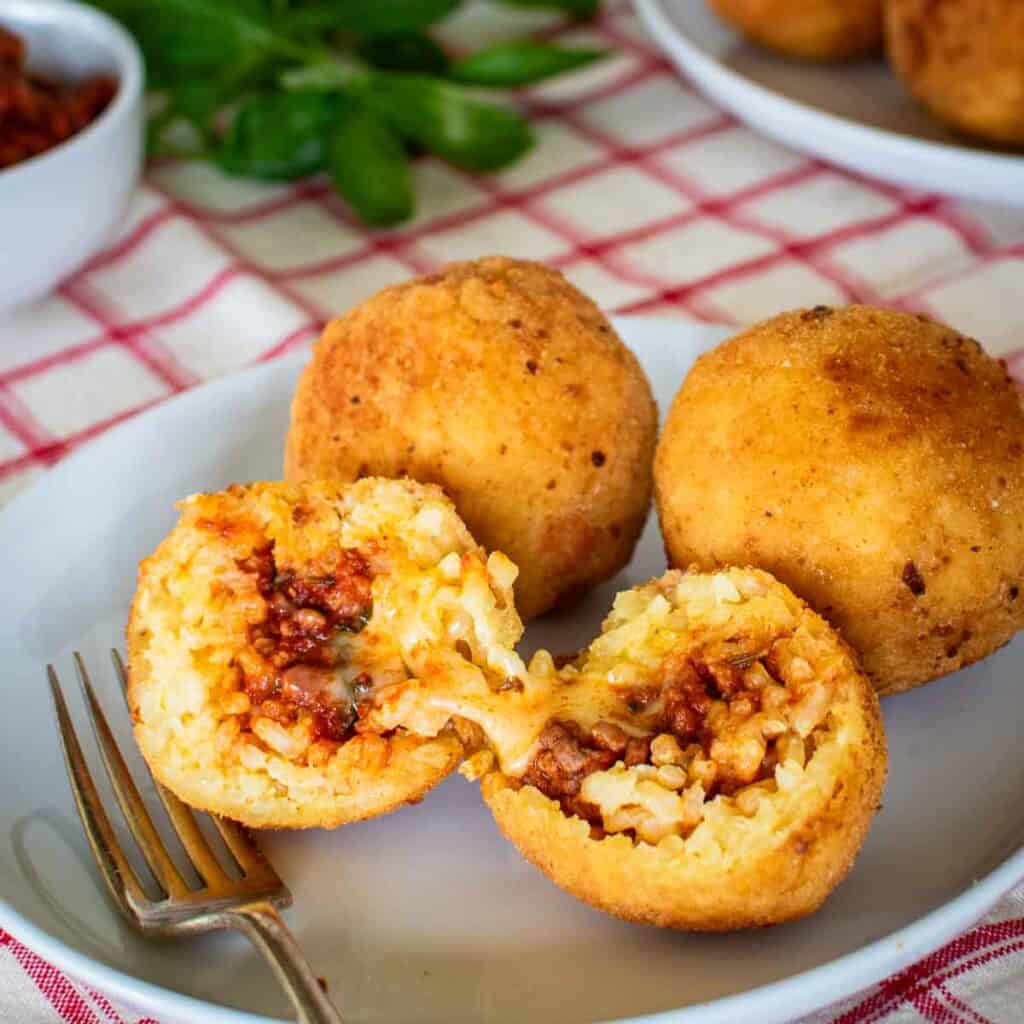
point(232, 587)
point(872, 461)
point(964, 59)
point(505, 385)
point(819, 30)
point(757, 855)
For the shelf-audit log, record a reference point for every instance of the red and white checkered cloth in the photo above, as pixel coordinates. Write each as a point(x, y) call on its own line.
point(647, 196)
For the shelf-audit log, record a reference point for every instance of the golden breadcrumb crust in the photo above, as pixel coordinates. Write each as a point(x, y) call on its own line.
point(193, 614)
point(819, 30)
point(505, 385)
point(872, 461)
point(737, 868)
point(964, 59)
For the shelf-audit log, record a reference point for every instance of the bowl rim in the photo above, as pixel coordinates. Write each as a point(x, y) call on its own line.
point(94, 23)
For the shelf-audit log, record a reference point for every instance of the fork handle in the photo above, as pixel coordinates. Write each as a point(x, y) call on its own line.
point(270, 935)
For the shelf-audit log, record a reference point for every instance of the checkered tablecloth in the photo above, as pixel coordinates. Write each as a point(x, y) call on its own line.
point(643, 193)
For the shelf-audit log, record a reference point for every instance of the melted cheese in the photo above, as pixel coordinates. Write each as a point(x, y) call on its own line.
point(476, 675)
point(512, 717)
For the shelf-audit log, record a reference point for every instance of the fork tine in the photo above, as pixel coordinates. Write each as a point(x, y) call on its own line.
point(117, 873)
point(247, 853)
point(132, 806)
point(122, 673)
point(192, 839)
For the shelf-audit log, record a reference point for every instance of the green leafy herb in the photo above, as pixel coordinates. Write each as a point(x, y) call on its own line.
point(513, 64)
point(405, 51)
point(329, 75)
point(369, 166)
point(367, 17)
point(278, 89)
point(464, 130)
point(583, 10)
point(188, 37)
point(278, 137)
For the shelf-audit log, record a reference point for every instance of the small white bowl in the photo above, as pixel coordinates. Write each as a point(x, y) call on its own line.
point(58, 208)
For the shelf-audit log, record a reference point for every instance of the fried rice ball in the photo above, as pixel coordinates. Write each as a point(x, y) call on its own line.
point(505, 385)
point(267, 621)
point(711, 762)
point(819, 30)
point(872, 461)
point(964, 59)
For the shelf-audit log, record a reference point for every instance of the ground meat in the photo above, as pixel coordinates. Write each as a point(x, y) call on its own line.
point(12, 50)
point(687, 698)
point(609, 736)
point(638, 751)
point(690, 687)
point(565, 757)
point(36, 115)
point(293, 660)
point(344, 595)
point(676, 714)
point(639, 698)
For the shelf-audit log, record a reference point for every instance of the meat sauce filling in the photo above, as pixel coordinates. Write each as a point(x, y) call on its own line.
point(677, 735)
point(294, 658)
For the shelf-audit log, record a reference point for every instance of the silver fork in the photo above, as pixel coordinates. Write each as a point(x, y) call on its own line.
point(247, 905)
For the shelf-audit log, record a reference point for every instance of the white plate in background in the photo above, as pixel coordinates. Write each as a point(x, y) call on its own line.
point(855, 114)
point(428, 915)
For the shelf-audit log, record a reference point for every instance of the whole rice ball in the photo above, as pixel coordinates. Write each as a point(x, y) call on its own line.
point(964, 59)
point(821, 30)
point(871, 460)
point(502, 383)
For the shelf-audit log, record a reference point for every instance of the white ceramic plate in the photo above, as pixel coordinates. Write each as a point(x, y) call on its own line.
point(429, 915)
point(857, 115)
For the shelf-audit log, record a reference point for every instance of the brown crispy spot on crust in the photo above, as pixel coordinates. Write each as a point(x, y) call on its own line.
point(817, 313)
point(913, 579)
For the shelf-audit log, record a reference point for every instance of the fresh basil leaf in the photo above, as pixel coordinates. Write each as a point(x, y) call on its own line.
point(335, 73)
point(460, 128)
point(194, 101)
point(278, 137)
point(183, 37)
point(369, 166)
point(198, 99)
point(582, 10)
point(514, 64)
point(405, 51)
point(367, 18)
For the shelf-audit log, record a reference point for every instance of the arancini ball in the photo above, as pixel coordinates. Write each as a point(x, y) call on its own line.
point(503, 384)
point(818, 30)
point(712, 761)
point(268, 620)
point(964, 59)
point(871, 460)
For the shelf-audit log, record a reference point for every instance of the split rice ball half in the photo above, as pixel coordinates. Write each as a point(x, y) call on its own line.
point(272, 614)
point(711, 762)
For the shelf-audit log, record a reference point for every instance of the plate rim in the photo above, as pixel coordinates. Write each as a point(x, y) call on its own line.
point(777, 1001)
point(810, 129)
